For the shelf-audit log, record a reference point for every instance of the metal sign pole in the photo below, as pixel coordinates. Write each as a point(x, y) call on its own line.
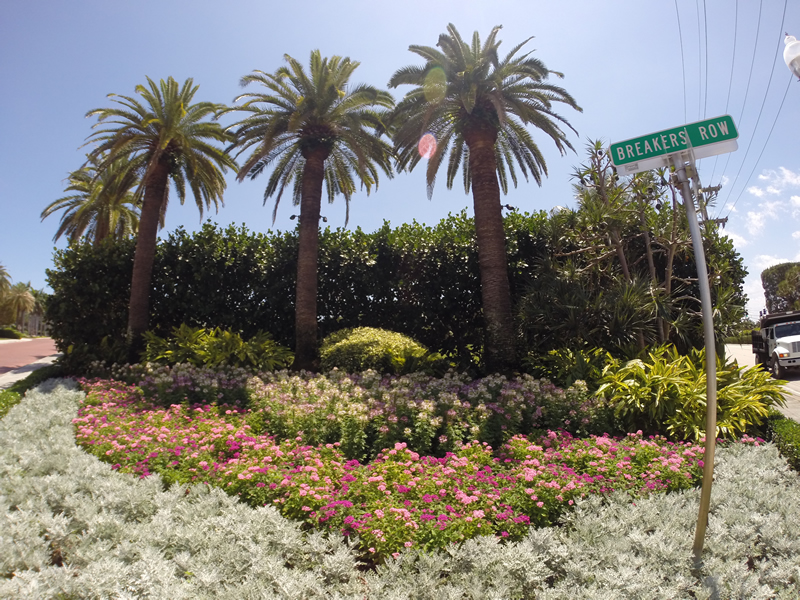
point(711, 358)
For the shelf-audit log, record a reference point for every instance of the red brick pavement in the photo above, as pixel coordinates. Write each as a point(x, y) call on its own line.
point(18, 353)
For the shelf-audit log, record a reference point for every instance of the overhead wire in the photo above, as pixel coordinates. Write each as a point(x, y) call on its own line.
point(747, 89)
point(705, 87)
point(758, 120)
point(771, 129)
point(699, 63)
point(683, 62)
point(730, 80)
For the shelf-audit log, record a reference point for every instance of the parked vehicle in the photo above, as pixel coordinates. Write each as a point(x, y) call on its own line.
point(777, 343)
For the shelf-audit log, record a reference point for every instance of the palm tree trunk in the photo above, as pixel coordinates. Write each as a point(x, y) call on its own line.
point(143, 258)
point(492, 258)
point(306, 352)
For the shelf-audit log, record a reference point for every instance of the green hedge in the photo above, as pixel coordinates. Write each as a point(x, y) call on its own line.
point(785, 434)
point(10, 333)
point(418, 280)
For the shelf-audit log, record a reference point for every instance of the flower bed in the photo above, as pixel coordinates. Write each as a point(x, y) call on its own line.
point(402, 498)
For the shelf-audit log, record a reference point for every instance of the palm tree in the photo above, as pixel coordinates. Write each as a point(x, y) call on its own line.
point(164, 138)
point(103, 203)
point(18, 301)
point(477, 107)
point(312, 127)
point(5, 282)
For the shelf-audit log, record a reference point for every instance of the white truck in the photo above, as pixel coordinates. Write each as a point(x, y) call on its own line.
point(777, 343)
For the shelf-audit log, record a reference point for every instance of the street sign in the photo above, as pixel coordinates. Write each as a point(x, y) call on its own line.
point(705, 138)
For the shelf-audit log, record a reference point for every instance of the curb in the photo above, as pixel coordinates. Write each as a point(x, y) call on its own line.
point(7, 379)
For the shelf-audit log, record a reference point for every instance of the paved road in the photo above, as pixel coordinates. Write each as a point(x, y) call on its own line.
point(743, 353)
point(18, 353)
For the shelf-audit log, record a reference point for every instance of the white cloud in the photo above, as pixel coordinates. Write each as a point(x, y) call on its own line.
point(796, 235)
point(764, 261)
point(740, 241)
point(755, 222)
point(756, 191)
point(795, 200)
point(771, 209)
point(781, 179)
point(755, 294)
point(773, 190)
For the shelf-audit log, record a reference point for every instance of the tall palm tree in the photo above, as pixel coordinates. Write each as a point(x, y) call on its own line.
point(18, 301)
point(478, 105)
point(5, 282)
point(312, 127)
point(165, 138)
point(102, 204)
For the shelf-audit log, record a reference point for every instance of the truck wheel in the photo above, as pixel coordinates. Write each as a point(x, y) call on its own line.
point(778, 372)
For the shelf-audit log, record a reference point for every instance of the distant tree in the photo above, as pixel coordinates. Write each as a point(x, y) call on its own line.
point(5, 282)
point(18, 300)
point(789, 288)
point(478, 106)
point(103, 203)
point(165, 138)
point(782, 287)
point(312, 127)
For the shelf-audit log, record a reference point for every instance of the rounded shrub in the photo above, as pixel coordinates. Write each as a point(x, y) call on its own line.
point(10, 333)
point(362, 348)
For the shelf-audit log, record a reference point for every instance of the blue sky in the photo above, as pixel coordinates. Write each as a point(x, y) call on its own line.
point(634, 67)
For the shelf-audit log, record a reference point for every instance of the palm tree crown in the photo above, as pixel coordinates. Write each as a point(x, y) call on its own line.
point(103, 204)
point(164, 137)
point(316, 112)
point(465, 88)
point(478, 106)
point(312, 127)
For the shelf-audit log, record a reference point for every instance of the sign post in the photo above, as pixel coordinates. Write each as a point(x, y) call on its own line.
point(675, 147)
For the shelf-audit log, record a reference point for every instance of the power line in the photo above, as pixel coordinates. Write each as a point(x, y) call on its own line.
point(730, 81)
point(746, 92)
point(699, 63)
point(760, 112)
point(683, 63)
point(705, 91)
point(788, 84)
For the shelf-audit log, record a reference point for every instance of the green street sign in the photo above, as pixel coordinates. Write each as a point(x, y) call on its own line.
point(705, 138)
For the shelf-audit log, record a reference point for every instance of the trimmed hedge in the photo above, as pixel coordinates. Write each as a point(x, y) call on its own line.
point(785, 434)
point(10, 333)
point(417, 280)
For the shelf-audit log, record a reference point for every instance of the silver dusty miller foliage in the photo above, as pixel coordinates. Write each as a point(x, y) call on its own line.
point(72, 528)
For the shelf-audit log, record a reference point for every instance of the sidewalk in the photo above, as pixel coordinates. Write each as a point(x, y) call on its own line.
point(743, 354)
point(21, 372)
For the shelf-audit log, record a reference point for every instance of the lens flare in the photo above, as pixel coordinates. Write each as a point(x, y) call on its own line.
point(435, 86)
point(427, 145)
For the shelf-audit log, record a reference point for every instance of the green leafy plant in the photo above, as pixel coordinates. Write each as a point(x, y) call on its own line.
point(362, 348)
point(566, 366)
point(785, 434)
point(666, 391)
point(216, 347)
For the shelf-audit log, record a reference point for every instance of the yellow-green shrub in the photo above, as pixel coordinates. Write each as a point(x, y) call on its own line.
point(666, 392)
point(363, 348)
